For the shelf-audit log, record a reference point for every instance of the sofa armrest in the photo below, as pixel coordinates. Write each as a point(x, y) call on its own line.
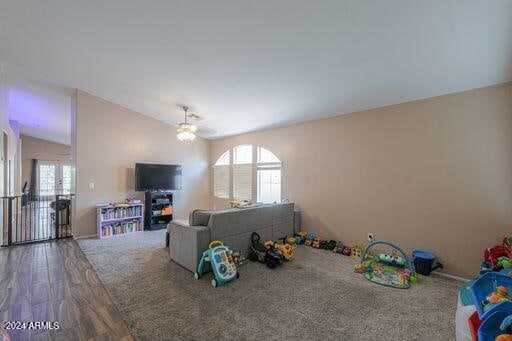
point(187, 243)
point(183, 223)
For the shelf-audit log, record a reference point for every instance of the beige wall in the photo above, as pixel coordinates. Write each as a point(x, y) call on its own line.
point(11, 135)
point(34, 148)
point(12, 150)
point(433, 174)
point(110, 140)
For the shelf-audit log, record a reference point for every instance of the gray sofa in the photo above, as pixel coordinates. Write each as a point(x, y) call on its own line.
point(188, 240)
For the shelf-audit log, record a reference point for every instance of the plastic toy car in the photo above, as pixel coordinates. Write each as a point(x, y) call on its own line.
point(285, 248)
point(328, 244)
point(316, 242)
point(309, 239)
point(339, 247)
point(259, 253)
point(347, 251)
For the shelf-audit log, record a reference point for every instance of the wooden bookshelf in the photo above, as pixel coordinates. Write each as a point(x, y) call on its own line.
point(120, 220)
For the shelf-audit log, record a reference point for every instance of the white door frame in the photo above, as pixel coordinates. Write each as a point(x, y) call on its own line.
point(59, 176)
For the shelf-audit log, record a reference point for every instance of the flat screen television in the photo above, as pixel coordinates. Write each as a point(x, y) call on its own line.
point(152, 177)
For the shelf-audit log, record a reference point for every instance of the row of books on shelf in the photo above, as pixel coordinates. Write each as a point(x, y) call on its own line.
point(120, 212)
point(120, 228)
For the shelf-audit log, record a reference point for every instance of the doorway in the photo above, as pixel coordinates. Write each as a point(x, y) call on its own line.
point(54, 178)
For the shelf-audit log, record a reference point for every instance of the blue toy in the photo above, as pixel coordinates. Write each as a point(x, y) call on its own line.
point(221, 260)
point(483, 287)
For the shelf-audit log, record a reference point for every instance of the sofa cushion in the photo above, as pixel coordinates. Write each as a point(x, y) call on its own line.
point(199, 217)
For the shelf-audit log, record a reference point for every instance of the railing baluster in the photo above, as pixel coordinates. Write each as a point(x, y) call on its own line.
point(57, 216)
point(16, 217)
point(9, 221)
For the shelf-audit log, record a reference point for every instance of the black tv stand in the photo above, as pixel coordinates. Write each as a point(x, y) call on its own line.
point(155, 202)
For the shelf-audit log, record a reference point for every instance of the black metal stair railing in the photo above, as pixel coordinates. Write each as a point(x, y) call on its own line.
point(32, 218)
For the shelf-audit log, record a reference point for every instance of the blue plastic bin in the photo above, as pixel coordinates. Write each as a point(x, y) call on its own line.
point(484, 286)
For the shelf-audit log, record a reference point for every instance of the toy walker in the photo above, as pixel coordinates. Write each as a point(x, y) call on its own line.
point(221, 260)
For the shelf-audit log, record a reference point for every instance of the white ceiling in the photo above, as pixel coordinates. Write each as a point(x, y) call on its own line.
point(248, 65)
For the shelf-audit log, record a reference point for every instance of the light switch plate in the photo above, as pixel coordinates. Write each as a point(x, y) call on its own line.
point(91, 185)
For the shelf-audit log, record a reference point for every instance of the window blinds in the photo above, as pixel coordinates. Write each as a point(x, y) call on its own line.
point(242, 182)
point(221, 181)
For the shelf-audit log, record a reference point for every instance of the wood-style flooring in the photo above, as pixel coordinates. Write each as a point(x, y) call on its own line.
point(54, 281)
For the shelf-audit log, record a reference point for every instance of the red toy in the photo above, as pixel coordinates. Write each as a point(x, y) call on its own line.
point(492, 254)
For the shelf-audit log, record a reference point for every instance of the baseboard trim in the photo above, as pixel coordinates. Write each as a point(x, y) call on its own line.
point(86, 237)
point(460, 279)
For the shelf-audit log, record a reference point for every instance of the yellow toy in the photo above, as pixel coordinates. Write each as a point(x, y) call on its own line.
point(359, 268)
point(292, 240)
point(357, 250)
point(302, 235)
point(286, 249)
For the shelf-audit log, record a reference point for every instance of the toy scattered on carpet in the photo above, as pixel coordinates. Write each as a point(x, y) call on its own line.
point(338, 248)
point(390, 270)
point(316, 242)
point(239, 258)
point(484, 309)
point(268, 255)
point(222, 263)
point(392, 259)
point(357, 250)
point(500, 295)
point(293, 240)
point(285, 248)
point(309, 239)
point(301, 237)
point(328, 245)
point(347, 251)
point(499, 256)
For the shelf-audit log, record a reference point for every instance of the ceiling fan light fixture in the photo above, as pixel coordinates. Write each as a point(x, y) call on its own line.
point(186, 131)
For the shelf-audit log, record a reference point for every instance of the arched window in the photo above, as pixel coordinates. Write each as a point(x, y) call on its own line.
point(242, 172)
point(249, 164)
point(268, 171)
point(221, 176)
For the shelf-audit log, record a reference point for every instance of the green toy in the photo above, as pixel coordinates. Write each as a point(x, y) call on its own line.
point(505, 262)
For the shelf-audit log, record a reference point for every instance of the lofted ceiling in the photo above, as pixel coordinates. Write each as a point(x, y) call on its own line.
point(249, 65)
point(42, 109)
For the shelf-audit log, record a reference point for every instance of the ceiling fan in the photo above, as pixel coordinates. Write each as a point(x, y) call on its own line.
point(186, 131)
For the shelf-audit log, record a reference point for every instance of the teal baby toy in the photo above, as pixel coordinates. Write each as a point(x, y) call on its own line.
point(222, 263)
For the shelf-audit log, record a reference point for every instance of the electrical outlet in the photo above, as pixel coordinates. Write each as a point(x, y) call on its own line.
point(370, 237)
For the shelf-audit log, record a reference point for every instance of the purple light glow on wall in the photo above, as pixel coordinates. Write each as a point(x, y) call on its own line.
point(42, 112)
point(26, 108)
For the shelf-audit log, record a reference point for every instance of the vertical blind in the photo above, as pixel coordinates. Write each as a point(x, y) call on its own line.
point(242, 182)
point(221, 181)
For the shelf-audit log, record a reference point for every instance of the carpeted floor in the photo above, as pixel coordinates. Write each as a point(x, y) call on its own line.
point(315, 297)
